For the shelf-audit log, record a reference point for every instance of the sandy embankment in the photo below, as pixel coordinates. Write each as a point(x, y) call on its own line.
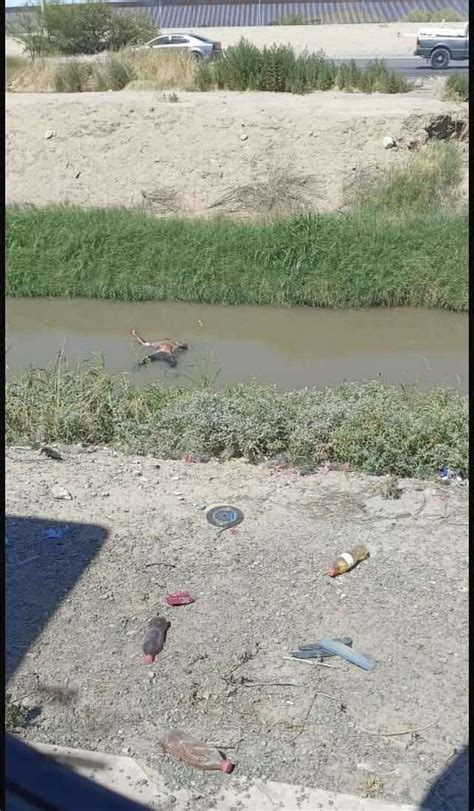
point(107, 148)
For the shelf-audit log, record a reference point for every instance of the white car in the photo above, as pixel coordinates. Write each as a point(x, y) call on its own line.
point(199, 47)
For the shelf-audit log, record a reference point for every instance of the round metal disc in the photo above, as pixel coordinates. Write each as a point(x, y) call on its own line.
point(224, 516)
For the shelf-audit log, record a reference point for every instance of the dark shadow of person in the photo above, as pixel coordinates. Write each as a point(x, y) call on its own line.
point(166, 357)
point(450, 791)
point(44, 561)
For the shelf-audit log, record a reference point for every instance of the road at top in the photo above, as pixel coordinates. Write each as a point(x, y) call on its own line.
point(412, 67)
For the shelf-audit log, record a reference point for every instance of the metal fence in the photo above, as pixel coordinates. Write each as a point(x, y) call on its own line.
point(223, 13)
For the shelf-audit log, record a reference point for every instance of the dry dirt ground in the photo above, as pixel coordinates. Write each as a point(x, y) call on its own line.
point(106, 149)
point(77, 610)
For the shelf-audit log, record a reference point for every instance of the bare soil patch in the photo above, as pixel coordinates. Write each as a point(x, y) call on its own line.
point(131, 148)
point(261, 593)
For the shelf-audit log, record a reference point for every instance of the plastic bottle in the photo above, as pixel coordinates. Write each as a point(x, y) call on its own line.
point(348, 560)
point(195, 753)
point(155, 638)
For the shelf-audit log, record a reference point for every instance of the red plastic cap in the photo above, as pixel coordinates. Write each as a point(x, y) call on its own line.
point(331, 571)
point(149, 659)
point(227, 766)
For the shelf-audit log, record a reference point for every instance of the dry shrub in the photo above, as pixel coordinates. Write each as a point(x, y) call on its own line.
point(37, 77)
point(281, 193)
point(167, 71)
point(162, 200)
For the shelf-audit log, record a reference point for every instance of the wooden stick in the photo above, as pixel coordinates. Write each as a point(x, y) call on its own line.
point(403, 732)
point(311, 662)
point(271, 684)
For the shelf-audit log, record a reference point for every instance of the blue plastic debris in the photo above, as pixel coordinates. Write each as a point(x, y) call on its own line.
point(365, 662)
point(55, 533)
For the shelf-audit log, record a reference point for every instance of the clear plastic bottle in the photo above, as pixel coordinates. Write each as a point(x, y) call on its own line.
point(155, 638)
point(348, 560)
point(195, 753)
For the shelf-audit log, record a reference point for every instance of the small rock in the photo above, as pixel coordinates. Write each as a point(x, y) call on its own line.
point(388, 142)
point(49, 134)
point(60, 493)
point(418, 82)
point(244, 137)
point(311, 133)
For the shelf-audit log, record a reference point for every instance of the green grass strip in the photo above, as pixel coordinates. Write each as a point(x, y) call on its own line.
point(358, 259)
point(375, 428)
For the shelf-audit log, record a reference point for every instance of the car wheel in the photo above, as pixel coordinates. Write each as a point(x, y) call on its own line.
point(440, 59)
point(196, 56)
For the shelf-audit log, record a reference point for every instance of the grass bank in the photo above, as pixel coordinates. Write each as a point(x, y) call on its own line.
point(360, 259)
point(375, 428)
point(457, 87)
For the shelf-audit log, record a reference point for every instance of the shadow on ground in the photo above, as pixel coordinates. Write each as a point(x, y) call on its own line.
point(450, 791)
point(44, 560)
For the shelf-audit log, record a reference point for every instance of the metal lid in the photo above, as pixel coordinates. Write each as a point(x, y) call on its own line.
point(224, 516)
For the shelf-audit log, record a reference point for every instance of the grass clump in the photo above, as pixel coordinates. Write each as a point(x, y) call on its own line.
point(279, 69)
point(457, 87)
point(374, 78)
point(14, 65)
point(361, 258)
point(446, 14)
point(292, 19)
point(375, 428)
point(72, 76)
point(16, 715)
point(429, 180)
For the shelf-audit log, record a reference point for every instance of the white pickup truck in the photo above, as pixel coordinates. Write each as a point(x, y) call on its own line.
point(442, 45)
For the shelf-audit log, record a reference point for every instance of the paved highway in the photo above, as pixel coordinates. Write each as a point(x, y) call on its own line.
point(412, 66)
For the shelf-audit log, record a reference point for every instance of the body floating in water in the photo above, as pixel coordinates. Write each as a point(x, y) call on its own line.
point(165, 349)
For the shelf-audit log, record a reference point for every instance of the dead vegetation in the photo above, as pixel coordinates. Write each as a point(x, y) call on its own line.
point(282, 193)
point(162, 200)
point(140, 70)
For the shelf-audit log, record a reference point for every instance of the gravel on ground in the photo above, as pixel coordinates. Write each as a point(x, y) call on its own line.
point(77, 609)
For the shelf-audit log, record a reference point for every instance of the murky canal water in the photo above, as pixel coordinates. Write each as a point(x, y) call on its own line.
point(291, 348)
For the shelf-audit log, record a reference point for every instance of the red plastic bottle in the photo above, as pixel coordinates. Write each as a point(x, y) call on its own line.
point(155, 638)
point(195, 753)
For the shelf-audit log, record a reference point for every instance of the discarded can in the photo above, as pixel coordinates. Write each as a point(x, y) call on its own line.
point(155, 638)
point(224, 517)
point(348, 560)
point(180, 598)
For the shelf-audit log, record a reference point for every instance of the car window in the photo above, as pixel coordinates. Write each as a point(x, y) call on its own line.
point(203, 39)
point(178, 40)
point(160, 41)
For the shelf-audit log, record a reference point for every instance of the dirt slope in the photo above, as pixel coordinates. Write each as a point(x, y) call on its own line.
point(108, 148)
